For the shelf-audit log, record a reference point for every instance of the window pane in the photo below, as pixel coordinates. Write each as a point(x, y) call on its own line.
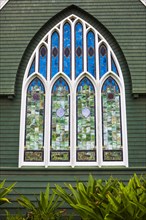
point(55, 54)
point(43, 61)
point(32, 68)
point(60, 117)
point(113, 66)
point(91, 53)
point(103, 60)
point(111, 121)
point(78, 49)
point(67, 49)
point(34, 129)
point(86, 128)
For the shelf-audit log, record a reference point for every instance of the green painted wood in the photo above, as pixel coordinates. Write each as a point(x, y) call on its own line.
point(21, 20)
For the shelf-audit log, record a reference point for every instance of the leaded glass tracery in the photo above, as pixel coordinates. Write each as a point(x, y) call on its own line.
point(43, 61)
point(85, 110)
point(67, 49)
point(111, 117)
point(78, 48)
point(91, 53)
point(86, 121)
point(34, 128)
point(60, 117)
point(103, 60)
point(32, 68)
point(54, 53)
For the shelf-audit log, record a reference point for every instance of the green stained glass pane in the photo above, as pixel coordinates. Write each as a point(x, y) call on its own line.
point(34, 129)
point(85, 119)
point(60, 130)
point(111, 117)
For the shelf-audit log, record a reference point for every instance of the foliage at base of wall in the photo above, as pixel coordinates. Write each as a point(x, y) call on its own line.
point(96, 199)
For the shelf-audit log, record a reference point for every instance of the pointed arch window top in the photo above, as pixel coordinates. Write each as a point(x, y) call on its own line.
point(73, 49)
point(73, 110)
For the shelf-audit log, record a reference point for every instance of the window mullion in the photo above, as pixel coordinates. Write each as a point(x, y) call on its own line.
point(73, 51)
point(97, 56)
point(61, 48)
point(85, 48)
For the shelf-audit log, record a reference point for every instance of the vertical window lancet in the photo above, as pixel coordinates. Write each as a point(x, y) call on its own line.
point(67, 49)
point(113, 66)
point(76, 85)
point(32, 67)
point(78, 49)
point(86, 128)
point(111, 121)
point(60, 121)
point(43, 61)
point(103, 60)
point(34, 127)
point(91, 53)
point(54, 54)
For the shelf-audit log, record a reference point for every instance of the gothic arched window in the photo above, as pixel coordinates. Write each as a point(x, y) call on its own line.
point(73, 109)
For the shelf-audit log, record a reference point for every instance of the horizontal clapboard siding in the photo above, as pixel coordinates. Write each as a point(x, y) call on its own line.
point(29, 182)
point(21, 20)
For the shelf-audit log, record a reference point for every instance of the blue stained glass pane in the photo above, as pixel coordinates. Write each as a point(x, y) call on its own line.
point(32, 68)
point(55, 53)
point(114, 68)
point(78, 49)
point(43, 61)
point(67, 49)
point(34, 128)
point(103, 60)
point(91, 53)
point(110, 83)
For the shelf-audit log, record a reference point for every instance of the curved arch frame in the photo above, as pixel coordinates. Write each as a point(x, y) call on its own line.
point(73, 83)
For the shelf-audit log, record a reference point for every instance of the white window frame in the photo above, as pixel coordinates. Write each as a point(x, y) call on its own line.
point(73, 83)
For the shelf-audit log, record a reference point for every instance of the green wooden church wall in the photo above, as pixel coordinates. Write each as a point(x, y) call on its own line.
point(23, 24)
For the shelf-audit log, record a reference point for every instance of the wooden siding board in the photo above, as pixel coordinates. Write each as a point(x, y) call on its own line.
point(20, 20)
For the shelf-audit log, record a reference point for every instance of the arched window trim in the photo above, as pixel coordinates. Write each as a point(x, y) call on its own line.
point(123, 120)
point(73, 83)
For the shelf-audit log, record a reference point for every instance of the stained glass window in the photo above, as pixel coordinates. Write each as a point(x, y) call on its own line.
point(67, 49)
point(34, 128)
point(86, 121)
point(73, 100)
point(60, 126)
point(55, 53)
point(103, 60)
point(113, 66)
point(111, 117)
point(32, 67)
point(91, 52)
point(78, 48)
point(43, 61)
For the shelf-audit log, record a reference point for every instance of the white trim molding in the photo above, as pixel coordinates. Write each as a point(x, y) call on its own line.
point(73, 83)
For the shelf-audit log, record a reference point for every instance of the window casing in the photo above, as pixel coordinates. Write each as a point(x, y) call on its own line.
point(73, 109)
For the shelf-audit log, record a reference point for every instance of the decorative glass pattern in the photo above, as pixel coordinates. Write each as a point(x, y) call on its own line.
point(91, 53)
point(55, 54)
point(32, 68)
point(60, 122)
point(111, 117)
point(78, 49)
point(113, 66)
point(68, 53)
point(34, 129)
point(86, 121)
point(43, 61)
point(67, 49)
point(103, 60)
